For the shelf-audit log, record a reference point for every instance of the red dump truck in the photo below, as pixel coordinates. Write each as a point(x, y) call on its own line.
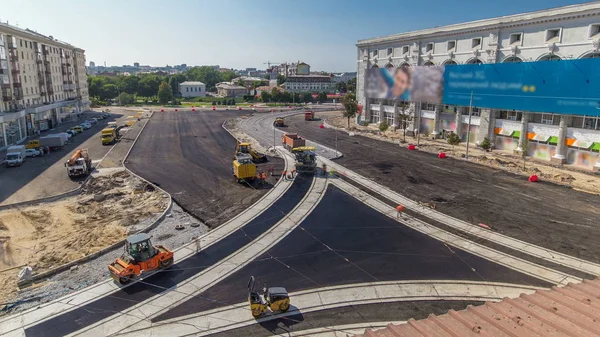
point(292, 140)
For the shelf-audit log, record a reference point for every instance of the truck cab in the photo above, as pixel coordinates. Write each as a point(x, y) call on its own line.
point(14, 159)
point(109, 136)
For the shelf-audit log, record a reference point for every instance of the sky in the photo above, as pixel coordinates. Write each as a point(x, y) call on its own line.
point(242, 33)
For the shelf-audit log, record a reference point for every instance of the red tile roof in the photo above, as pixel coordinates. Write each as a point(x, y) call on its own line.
point(572, 311)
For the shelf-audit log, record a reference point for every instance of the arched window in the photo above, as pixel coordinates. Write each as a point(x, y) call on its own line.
point(405, 65)
point(474, 61)
point(512, 59)
point(389, 66)
point(374, 66)
point(594, 55)
point(428, 64)
point(550, 57)
point(449, 62)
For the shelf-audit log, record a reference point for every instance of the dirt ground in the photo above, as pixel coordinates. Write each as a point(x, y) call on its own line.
point(546, 214)
point(564, 175)
point(189, 154)
point(48, 235)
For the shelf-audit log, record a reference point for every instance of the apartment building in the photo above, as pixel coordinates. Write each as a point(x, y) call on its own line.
point(43, 83)
point(552, 35)
point(309, 83)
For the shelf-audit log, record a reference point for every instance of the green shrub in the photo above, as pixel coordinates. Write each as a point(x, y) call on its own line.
point(453, 139)
point(383, 126)
point(486, 144)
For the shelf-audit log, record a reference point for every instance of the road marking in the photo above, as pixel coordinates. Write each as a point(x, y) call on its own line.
point(212, 275)
point(19, 322)
point(509, 242)
point(509, 261)
point(238, 315)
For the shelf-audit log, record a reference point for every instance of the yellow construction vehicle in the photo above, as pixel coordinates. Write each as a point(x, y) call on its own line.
point(247, 149)
point(33, 144)
point(275, 298)
point(243, 168)
point(306, 159)
point(279, 122)
point(109, 135)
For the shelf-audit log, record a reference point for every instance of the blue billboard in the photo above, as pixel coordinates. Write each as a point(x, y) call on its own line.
point(563, 87)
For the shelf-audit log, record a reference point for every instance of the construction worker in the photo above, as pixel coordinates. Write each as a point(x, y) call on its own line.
point(263, 177)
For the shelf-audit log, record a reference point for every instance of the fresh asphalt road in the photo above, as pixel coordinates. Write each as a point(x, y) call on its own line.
point(46, 176)
point(545, 214)
point(138, 292)
point(189, 154)
point(344, 241)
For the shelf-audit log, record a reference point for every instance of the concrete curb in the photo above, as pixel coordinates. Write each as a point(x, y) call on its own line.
point(42, 200)
point(104, 250)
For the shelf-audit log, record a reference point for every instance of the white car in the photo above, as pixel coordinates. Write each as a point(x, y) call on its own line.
point(32, 153)
point(86, 125)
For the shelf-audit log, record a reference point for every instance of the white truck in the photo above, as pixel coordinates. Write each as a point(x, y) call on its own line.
point(15, 155)
point(54, 141)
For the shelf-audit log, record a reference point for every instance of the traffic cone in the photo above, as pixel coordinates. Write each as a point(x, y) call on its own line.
point(322, 126)
point(442, 155)
point(412, 147)
point(533, 178)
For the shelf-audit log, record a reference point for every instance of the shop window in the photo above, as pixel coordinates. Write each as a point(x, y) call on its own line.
point(547, 119)
point(511, 115)
point(590, 123)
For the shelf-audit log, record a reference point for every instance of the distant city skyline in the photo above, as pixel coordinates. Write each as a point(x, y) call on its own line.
point(241, 34)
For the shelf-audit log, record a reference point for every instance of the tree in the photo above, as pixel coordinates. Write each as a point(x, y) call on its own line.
point(350, 107)
point(108, 91)
point(148, 85)
point(125, 98)
point(265, 96)
point(229, 75)
point(128, 84)
point(267, 76)
point(95, 84)
point(341, 87)
point(280, 79)
point(486, 144)
point(175, 80)
point(307, 97)
point(404, 117)
point(322, 97)
point(276, 94)
point(351, 85)
point(207, 75)
point(383, 126)
point(164, 93)
point(453, 139)
point(286, 97)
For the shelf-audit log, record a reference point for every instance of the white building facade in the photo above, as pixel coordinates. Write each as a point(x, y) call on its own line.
point(43, 83)
point(192, 89)
point(554, 35)
point(309, 83)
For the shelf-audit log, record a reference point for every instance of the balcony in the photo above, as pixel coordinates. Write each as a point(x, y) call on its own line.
point(46, 51)
point(48, 71)
point(69, 64)
point(17, 85)
point(50, 91)
point(15, 72)
point(14, 57)
point(18, 94)
point(39, 60)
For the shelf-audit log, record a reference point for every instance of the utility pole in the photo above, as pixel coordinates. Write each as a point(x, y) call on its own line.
point(418, 108)
point(469, 125)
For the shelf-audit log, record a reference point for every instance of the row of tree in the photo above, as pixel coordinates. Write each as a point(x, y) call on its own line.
point(278, 95)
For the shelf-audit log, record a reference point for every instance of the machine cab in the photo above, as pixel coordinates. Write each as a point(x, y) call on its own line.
point(139, 247)
point(243, 148)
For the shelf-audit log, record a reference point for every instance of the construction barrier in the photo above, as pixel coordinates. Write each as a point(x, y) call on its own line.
point(442, 155)
point(533, 178)
point(412, 147)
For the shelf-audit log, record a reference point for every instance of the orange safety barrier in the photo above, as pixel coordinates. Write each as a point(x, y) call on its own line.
point(530, 135)
point(570, 141)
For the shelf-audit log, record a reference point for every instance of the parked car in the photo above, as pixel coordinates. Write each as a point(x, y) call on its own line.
point(86, 125)
point(105, 115)
point(91, 121)
point(77, 129)
point(97, 118)
point(71, 132)
point(32, 153)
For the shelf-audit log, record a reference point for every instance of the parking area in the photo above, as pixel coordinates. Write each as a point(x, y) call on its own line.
point(45, 176)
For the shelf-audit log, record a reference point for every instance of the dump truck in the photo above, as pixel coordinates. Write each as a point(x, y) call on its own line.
point(306, 159)
point(243, 147)
point(15, 155)
point(109, 135)
point(140, 257)
point(80, 164)
point(292, 140)
point(243, 168)
point(279, 122)
point(309, 115)
point(54, 141)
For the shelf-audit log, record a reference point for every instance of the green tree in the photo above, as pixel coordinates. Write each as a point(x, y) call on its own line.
point(265, 96)
point(383, 126)
point(351, 85)
point(286, 97)
point(108, 91)
point(341, 87)
point(206, 75)
point(322, 97)
point(228, 75)
point(307, 97)
point(453, 139)
point(267, 76)
point(403, 119)
point(125, 98)
point(129, 84)
point(95, 84)
point(486, 144)
point(164, 93)
point(350, 107)
point(148, 85)
point(280, 79)
point(276, 94)
point(175, 80)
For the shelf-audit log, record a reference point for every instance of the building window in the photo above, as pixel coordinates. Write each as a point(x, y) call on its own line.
point(594, 31)
point(476, 43)
point(374, 53)
point(591, 123)
point(451, 45)
point(516, 39)
point(429, 47)
point(513, 115)
point(550, 57)
point(187, 89)
point(21, 43)
point(405, 50)
point(25, 78)
point(553, 35)
point(390, 51)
